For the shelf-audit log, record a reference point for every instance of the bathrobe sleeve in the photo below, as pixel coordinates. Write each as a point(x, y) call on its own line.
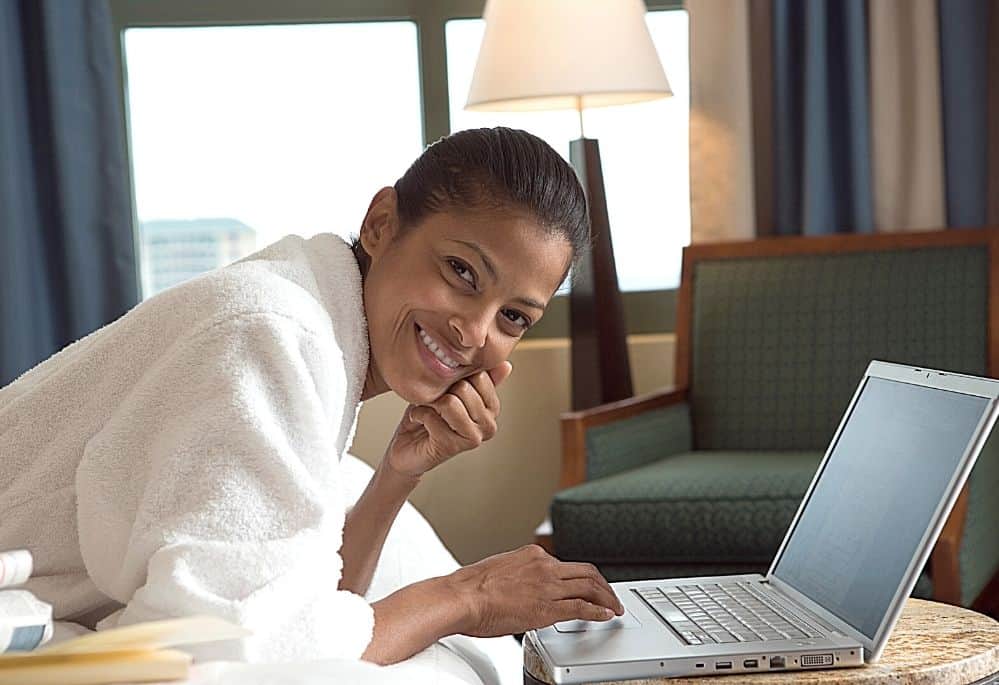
point(214, 490)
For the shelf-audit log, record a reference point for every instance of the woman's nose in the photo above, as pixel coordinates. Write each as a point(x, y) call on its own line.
point(471, 329)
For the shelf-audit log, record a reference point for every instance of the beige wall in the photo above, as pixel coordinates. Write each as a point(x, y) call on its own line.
point(490, 499)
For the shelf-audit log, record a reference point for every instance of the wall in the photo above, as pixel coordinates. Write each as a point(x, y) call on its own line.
point(491, 499)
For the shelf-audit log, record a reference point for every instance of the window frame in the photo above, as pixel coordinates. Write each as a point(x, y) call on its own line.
point(651, 311)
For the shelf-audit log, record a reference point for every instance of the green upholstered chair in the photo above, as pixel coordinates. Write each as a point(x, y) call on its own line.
point(772, 337)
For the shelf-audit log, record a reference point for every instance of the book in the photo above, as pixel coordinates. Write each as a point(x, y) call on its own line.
point(135, 653)
point(141, 666)
point(25, 621)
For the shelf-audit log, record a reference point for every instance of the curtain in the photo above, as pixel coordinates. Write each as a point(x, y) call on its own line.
point(906, 108)
point(67, 256)
point(821, 121)
point(964, 28)
point(721, 153)
point(866, 115)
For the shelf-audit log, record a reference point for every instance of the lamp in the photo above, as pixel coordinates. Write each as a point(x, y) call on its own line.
point(574, 54)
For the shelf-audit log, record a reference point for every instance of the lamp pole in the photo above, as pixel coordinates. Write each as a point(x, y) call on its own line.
point(601, 371)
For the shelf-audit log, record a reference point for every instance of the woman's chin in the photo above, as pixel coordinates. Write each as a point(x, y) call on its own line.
point(417, 392)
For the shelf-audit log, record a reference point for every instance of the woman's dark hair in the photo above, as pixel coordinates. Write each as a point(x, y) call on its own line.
point(502, 169)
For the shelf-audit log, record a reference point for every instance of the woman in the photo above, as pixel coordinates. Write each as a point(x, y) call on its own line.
point(184, 459)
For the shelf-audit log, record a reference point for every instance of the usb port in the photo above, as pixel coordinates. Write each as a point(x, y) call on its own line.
point(777, 662)
point(750, 663)
point(722, 665)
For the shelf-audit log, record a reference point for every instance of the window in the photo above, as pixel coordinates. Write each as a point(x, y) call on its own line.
point(213, 89)
point(243, 134)
point(643, 149)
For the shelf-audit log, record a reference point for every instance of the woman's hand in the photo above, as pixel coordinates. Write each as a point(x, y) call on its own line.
point(459, 420)
point(503, 594)
point(527, 588)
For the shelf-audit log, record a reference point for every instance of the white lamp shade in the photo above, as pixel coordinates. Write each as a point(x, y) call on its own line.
point(565, 54)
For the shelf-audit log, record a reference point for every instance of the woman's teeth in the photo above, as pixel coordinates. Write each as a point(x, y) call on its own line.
point(438, 352)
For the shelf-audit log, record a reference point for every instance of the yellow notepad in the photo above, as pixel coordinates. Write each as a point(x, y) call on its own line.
point(135, 653)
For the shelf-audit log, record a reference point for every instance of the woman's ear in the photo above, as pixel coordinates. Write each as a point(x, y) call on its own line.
point(381, 223)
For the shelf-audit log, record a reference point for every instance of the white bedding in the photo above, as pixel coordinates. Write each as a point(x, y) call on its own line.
point(412, 552)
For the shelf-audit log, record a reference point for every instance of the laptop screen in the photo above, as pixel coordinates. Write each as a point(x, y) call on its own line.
point(886, 476)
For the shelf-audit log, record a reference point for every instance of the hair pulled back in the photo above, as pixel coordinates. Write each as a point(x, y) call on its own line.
point(493, 169)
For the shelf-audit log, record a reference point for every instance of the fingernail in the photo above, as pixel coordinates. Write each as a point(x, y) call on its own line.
point(608, 613)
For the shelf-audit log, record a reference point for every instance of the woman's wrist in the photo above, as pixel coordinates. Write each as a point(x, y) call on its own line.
point(413, 618)
point(393, 479)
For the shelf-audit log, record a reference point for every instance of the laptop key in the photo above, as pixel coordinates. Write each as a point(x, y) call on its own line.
point(668, 610)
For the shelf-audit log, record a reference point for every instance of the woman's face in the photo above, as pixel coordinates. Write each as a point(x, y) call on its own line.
point(452, 296)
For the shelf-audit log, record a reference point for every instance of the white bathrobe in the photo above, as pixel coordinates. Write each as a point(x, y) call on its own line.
point(185, 458)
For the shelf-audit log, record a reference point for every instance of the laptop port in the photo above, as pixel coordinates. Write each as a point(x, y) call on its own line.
point(777, 662)
point(750, 663)
point(722, 665)
point(813, 660)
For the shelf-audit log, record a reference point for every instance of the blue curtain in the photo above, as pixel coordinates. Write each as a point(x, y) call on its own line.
point(964, 78)
point(821, 120)
point(67, 258)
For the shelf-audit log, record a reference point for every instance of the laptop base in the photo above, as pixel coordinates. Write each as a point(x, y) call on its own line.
point(643, 645)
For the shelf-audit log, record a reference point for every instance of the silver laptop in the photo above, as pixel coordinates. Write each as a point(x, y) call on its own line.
point(851, 557)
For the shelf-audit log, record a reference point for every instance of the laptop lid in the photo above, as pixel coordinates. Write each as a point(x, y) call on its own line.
point(881, 495)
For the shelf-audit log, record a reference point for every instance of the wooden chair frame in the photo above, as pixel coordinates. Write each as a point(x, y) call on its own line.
point(945, 559)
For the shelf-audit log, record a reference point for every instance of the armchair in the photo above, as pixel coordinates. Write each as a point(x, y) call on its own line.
point(772, 336)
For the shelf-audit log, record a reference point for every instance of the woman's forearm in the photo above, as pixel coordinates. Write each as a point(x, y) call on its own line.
point(368, 523)
point(413, 618)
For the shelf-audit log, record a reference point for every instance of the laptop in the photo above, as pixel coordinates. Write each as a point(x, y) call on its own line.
point(853, 552)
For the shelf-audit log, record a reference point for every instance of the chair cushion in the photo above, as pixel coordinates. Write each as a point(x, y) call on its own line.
point(694, 507)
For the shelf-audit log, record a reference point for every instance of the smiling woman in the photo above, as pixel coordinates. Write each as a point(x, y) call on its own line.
point(475, 284)
point(484, 227)
point(186, 458)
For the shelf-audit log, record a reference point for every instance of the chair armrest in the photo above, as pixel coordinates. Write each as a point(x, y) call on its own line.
point(576, 423)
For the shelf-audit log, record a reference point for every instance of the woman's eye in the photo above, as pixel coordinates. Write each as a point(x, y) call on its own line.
point(462, 270)
point(516, 317)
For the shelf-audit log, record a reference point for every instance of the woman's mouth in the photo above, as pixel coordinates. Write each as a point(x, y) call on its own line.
point(434, 356)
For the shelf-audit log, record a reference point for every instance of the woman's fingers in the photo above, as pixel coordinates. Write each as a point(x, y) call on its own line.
point(500, 373)
point(436, 426)
point(568, 570)
point(475, 404)
point(591, 590)
point(452, 409)
point(572, 609)
point(482, 383)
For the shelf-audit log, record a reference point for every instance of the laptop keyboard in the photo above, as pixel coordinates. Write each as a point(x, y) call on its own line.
point(730, 612)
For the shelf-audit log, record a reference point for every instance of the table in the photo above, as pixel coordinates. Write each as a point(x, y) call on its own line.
point(932, 643)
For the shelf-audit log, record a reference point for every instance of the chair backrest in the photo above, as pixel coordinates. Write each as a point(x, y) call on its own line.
point(773, 334)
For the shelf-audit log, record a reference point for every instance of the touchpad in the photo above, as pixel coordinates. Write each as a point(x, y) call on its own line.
point(616, 623)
